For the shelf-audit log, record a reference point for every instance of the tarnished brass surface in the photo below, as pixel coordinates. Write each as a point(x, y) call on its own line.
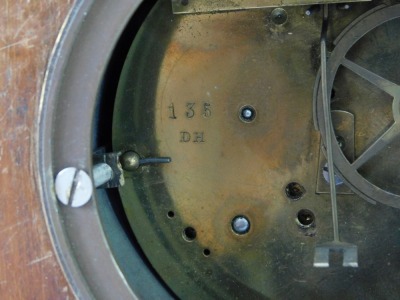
point(181, 91)
point(209, 6)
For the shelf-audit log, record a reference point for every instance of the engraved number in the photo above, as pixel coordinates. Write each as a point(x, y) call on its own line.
point(207, 110)
point(172, 111)
point(190, 110)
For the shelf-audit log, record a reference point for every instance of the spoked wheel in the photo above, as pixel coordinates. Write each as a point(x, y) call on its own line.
point(363, 78)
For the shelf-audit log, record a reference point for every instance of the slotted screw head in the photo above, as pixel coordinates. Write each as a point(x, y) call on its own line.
point(73, 187)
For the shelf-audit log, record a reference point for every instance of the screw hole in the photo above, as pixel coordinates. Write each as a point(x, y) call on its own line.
point(305, 218)
point(295, 191)
point(240, 225)
point(189, 234)
point(247, 113)
point(171, 214)
point(206, 252)
point(184, 2)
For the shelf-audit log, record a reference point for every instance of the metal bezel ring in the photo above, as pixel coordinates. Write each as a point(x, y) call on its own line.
point(89, 240)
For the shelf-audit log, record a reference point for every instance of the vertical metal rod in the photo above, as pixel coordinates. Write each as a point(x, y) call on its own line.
point(350, 254)
point(328, 125)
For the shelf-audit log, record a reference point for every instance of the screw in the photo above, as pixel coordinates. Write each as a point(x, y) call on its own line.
point(73, 187)
point(240, 225)
point(279, 16)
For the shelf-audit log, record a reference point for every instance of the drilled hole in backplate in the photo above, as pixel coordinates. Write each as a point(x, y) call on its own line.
point(189, 234)
point(171, 214)
point(206, 252)
point(294, 191)
point(240, 225)
point(305, 218)
point(247, 113)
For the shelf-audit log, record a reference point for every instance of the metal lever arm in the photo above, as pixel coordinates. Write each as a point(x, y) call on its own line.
point(350, 255)
point(328, 124)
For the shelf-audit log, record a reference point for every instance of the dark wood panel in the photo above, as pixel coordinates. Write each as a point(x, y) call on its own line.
point(28, 265)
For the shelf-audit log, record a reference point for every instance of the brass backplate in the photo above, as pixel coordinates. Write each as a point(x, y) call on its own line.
point(185, 83)
point(212, 6)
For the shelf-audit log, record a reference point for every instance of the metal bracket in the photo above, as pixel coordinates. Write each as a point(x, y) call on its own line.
point(119, 162)
point(349, 251)
point(111, 159)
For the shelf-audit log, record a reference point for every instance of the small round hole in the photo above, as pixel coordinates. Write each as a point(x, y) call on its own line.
point(206, 252)
point(247, 113)
point(295, 191)
point(189, 234)
point(184, 2)
point(171, 214)
point(305, 218)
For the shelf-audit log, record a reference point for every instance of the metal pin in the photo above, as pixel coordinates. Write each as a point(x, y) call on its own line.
point(102, 173)
point(154, 161)
point(131, 161)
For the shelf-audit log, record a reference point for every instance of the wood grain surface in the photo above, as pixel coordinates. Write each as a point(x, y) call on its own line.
point(28, 266)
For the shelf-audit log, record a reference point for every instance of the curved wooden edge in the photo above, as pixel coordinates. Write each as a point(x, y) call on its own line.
point(28, 264)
